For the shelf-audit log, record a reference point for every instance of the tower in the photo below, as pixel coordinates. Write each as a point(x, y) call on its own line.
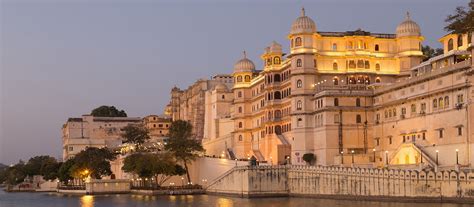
point(409, 40)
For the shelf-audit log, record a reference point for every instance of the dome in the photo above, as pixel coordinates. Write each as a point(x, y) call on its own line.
point(275, 47)
point(303, 24)
point(408, 28)
point(244, 65)
point(220, 87)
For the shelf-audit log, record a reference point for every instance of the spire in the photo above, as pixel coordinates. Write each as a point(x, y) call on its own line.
point(302, 12)
point(245, 54)
point(408, 15)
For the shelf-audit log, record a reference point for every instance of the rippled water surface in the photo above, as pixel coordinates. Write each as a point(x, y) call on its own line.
point(57, 200)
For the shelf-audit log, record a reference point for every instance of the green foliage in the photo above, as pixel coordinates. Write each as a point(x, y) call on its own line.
point(44, 165)
point(64, 172)
point(148, 165)
point(181, 144)
point(309, 158)
point(108, 111)
point(92, 161)
point(430, 52)
point(462, 21)
point(135, 134)
point(14, 174)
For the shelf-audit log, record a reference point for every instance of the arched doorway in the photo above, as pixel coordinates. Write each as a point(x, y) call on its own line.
point(278, 129)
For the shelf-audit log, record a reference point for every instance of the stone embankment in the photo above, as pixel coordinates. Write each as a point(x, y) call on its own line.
point(346, 183)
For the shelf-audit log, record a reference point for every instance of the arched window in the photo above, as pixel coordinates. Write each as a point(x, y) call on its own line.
point(239, 78)
point(334, 46)
point(239, 94)
point(298, 42)
point(446, 101)
point(336, 102)
point(335, 81)
point(441, 103)
point(469, 37)
point(334, 66)
point(376, 47)
point(277, 95)
point(460, 40)
point(352, 64)
point(240, 109)
point(299, 63)
point(276, 77)
point(377, 67)
point(358, 102)
point(240, 125)
point(360, 63)
point(247, 78)
point(223, 96)
point(377, 80)
point(435, 103)
point(276, 60)
point(277, 114)
point(358, 118)
point(413, 108)
point(299, 84)
point(367, 64)
point(240, 138)
point(299, 105)
point(450, 44)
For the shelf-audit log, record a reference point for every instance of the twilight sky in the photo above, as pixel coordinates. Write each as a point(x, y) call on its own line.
point(61, 59)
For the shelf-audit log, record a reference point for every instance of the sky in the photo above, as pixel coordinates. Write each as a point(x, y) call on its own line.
point(61, 59)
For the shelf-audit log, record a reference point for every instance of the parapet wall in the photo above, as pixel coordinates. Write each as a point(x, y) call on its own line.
point(344, 183)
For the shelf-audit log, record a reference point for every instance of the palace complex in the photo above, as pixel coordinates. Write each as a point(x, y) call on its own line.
point(349, 98)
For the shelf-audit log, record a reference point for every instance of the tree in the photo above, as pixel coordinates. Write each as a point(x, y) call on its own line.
point(147, 165)
point(181, 145)
point(44, 165)
point(462, 21)
point(309, 158)
point(64, 172)
point(135, 134)
point(93, 162)
point(430, 52)
point(108, 111)
point(15, 174)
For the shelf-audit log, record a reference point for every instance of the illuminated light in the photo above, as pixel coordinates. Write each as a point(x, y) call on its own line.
point(457, 150)
point(373, 150)
point(437, 151)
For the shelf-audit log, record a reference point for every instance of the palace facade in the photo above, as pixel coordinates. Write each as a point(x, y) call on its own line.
point(349, 98)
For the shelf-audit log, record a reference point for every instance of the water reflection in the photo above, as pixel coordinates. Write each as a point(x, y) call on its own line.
point(87, 201)
point(224, 202)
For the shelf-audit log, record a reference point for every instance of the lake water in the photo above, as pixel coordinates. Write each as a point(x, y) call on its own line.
point(57, 200)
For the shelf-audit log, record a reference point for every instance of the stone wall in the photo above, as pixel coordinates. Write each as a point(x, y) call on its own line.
point(107, 186)
point(335, 182)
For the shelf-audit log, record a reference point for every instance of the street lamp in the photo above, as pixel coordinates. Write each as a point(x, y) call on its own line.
point(457, 157)
point(236, 162)
point(386, 158)
point(342, 157)
point(352, 152)
point(373, 150)
point(437, 152)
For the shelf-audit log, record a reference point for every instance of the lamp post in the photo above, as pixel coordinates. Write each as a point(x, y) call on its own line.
point(437, 152)
point(352, 153)
point(386, 158)
point(342, 157)
point(236, 162)
point(457, 157)
point(373, 150)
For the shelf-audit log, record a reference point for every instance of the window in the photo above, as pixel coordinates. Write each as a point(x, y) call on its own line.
point(435, 104)
point(460, 98)
point(377, 141)
point(404, 110)
point(377, 67)
point(394, 112)
point(441, 103)
point(276, 60)
point(446, 101)
point(223, 96)
point(277, 78)
point(423, 135)
point(440, 133)
point(299, 63)
point(298, 42)
point(335, 81)
point(70, 149)
point(469, 38)
point(334, 66)
point(240, 138)
point(376, 47)
point(239, 78)
point(154, 125)
point(389, 140)
point(404, 138)
point(336, 102)
point(334, 46)
point(352, 64)
point(460, 40)
point(240, 125)
point(459, 130)
point(450, 44)
point(413, 108)
point(239, 94)
point(377, 80)
point(358, 119)
point(299, 84)
point(336, 118)
point(247, 78)
point(240, 109)
point(358, 102)
point(299, 105)
point(277, 95)
point(360, 63)
point(367, 64)
point(423, 107)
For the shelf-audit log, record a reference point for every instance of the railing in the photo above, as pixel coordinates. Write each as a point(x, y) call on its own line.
point(348, 87)
point(157, 187)
point(71, 187)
